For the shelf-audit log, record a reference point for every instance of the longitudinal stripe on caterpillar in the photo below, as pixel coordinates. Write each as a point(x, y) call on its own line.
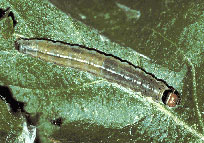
point(86, 62)
point(101, 64)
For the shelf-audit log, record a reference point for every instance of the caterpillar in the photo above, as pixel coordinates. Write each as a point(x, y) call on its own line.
point(100, 64)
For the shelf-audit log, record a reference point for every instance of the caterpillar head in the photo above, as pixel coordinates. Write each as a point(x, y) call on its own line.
point(171, 98)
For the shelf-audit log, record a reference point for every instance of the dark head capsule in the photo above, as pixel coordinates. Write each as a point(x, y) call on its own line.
point(171, 98)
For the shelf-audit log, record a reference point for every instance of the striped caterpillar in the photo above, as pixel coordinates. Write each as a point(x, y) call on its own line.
point(101, 64)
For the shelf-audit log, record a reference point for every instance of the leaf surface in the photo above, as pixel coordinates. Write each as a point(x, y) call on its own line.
point(93, 109)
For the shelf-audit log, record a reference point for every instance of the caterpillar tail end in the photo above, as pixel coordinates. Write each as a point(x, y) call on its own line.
point(17, 46)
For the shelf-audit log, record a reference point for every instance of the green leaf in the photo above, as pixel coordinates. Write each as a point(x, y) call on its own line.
point(91, 108)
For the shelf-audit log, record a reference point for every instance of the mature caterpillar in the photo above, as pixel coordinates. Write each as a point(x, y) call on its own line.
point(101, 64)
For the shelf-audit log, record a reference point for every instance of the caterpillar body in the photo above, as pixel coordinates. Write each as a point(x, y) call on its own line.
point(101, 64)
